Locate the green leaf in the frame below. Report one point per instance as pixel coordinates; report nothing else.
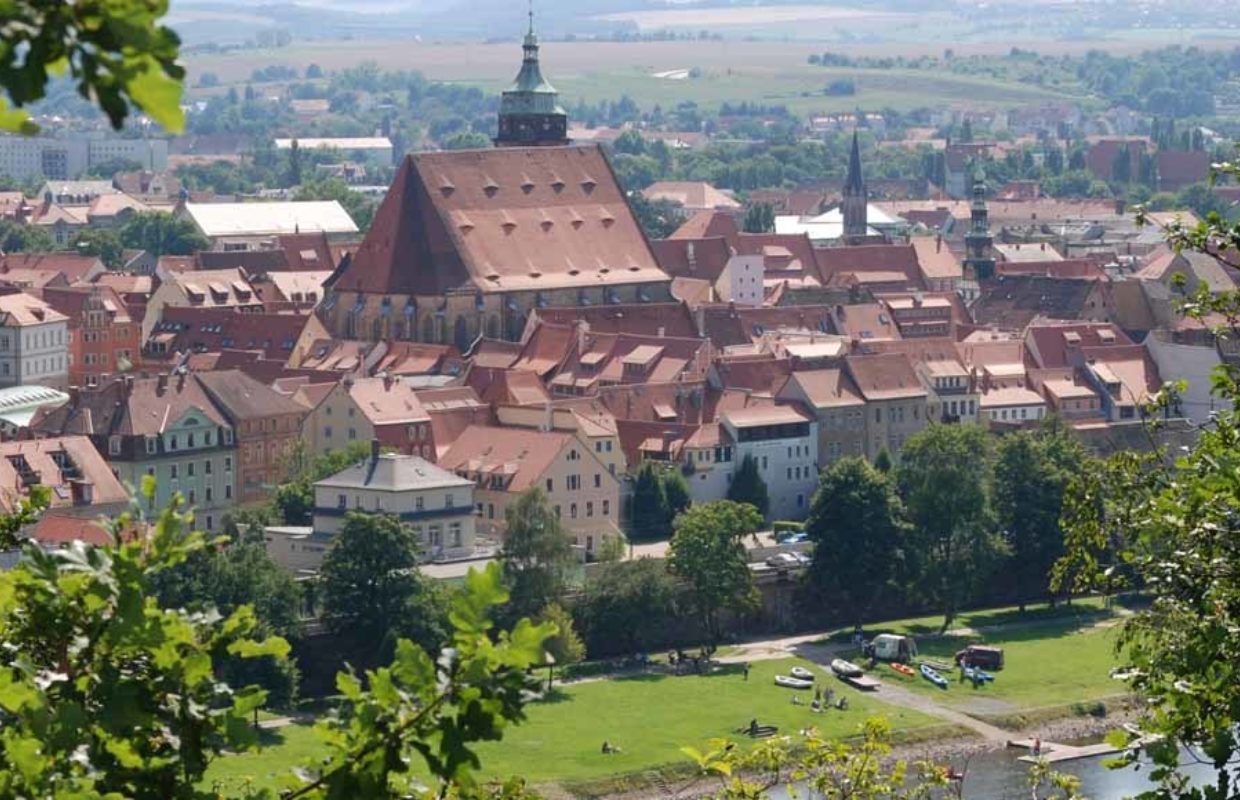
(349, 686)
(158, 95)
(275, 646)
(15, 696)
(25, 753)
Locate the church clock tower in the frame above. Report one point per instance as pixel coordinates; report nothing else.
(979, 262)
(529, 110)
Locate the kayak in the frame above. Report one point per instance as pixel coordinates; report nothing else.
(969, 672)
(932, 675)
(937, 665)
(793, 683)
(903, 669)
(845, 668)
(801, 673)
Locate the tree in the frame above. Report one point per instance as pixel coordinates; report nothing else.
(857, 525)
(105, 692)
(373, 591)
(676, 491)
(882, 461)
(294, 164)
(629, 607)
(707, 553)
(565, 646)
(227, 578)
(748, 487)
(100, 242)
(944, 478)
(360, 208)
(759, 218)
(1032, 470)
(117, 55)
(162, 234)
(658, 218)
(648, 515)
(16, 237)
(314, 72)
(466, 140)
(536, 554)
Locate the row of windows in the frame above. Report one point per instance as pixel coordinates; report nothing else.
(797, 473)
(39, 366)
(419, 502)
(434, 537)
(572, 483)
(572, 509)
(1002, 413)
(45, 338)
(174, 470)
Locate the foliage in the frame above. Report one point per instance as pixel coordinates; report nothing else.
(659, 494)
(373, 591)
(536, 554)
(827, 767)
(944, 480)
(565, 646)
(629, 607)
(855, 502)
(467, 140)
(100, 242)
(748, 487)
(227, 577)
(117, 54)
(16, 237)
(1032, 470)
(106, 694)
(360, 208)
(882, 461)
(707, 553)
(294, 499)
(162, 234)
(658, 218)
(759, 218)
(419, 717)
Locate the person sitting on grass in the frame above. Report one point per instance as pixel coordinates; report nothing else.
(609, 748)
(753, 727)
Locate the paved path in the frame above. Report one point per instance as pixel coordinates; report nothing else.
(900, 696)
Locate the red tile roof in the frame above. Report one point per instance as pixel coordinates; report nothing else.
(501, 220)
(728, 326)
(519, 455)
(901, 259)
(1050, 346)
(673, 319)
(693, 258)
(56, 462)
(884, 376)
(73, 266)
(706, 224)
(189, 329)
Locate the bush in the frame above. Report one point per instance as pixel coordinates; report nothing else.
(787, 526)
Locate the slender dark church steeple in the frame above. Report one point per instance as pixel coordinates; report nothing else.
(856, 197)
(529, 110)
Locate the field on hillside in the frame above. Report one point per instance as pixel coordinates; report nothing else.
(769, 73)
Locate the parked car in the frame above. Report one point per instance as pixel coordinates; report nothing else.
(796, 537)
(803, 559)
(783, 561)
(978, 655)
(890, 647)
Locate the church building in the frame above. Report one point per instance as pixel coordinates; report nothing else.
(467, 243)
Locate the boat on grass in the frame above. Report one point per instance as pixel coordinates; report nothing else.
(793, 683)
(801, 673)
(845, 669)
(903, 669)
(931, 674)
(977, 672)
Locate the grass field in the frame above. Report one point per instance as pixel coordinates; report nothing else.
(1053, 657)
(648, 717)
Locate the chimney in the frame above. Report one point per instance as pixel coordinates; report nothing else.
(374, 450)
(1043, 248)
(388, 380)
(82, 492)
(581, 338)
(938, 243)
(548, 418)
(732, 309)
(699, 319)
(161, 384)
(691, 256)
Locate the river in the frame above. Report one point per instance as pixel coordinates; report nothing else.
(997, 775)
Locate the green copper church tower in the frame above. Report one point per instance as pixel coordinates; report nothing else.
(530, 114)
(979, 262)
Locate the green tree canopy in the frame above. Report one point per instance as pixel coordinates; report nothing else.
(748, 487)
(16, 237)
(162, 234)
(944, 480)
(373, 591)
(708, 553)
(1032, 471)
(117, 54)
(101, 242)
(536, 554)
(629, 607)
(857, 525)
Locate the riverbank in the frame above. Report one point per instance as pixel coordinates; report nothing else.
(679, 783)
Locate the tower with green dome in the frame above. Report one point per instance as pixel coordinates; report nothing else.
(530, 114)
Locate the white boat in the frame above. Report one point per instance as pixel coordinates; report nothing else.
(793, 683)
(845, 669)
(801, 673)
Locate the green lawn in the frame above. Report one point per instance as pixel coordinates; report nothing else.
(1052, 657)
(648, 717)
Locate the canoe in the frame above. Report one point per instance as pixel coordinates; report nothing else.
(801, 673)
(793, 683)
(844, 668)
(982, 675)
(903, 669)
(932, 675)
(938, 666)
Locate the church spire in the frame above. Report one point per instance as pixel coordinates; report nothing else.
(856, 198)
(979, 264)
(529, 111)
